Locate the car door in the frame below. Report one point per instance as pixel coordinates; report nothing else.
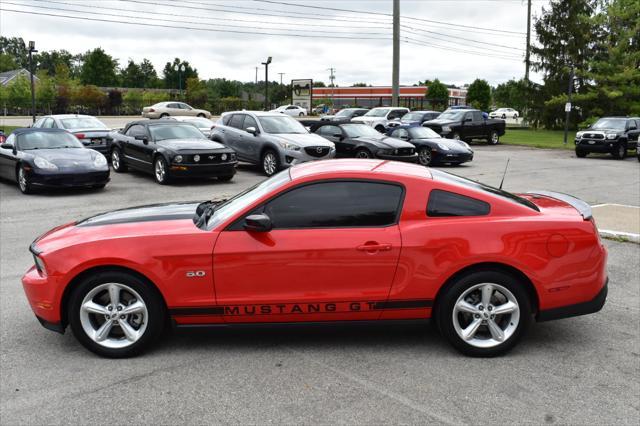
(233, 135)
(331, 255)
(8, 159)
(633, 132)
(467, 129)
(335, 135)
(252, 143)
(187, 110)
(135, 149)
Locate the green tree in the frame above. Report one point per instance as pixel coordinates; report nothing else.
(149, 75)
(99, 69)
(7, 63)
(17, 49)
(512, 94)
(479, 94)
(90, 96)
(46, 92)
(196, 92)
(175, 79)
(49, 61)
(132, 76)
(437, 94)
(19, 93)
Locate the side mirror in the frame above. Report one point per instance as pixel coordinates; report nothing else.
(142, 138)
(468, 120)
(252, 130)
(337, 136)
(258, 223)
(7, 146)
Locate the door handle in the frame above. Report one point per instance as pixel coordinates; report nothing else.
(372, 247)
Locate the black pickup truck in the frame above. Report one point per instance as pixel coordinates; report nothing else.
(467, 124)
(613, 135)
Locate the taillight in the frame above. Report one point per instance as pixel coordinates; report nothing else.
(152, 110)
(80, 135)
(2, 138)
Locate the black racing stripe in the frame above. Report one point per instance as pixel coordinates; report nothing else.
(214, 310)
(404, 304)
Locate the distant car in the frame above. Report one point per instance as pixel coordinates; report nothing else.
(504, 113)
(467, 124)
(613, 135)
(272, 140)
(2, 136)
(345, 114)
(379, 118)
(415, 118)
(37, 158)
(92, 132)
(361, 141)
(203, 124)
(167, 109)
(458, 107)
(431, 147)
(169, 149)
(292, 110)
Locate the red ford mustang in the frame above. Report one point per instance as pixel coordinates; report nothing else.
(342, 240)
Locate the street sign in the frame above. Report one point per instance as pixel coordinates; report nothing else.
(301, 91)
(567, 107)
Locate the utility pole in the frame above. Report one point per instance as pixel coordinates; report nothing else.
(395, 75)
(266, 83)
(32, 50)
(256, 76)
(567, 107)
(527, 58)
(332, 78)
(281, 74)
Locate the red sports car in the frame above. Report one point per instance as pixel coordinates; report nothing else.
(330, 241)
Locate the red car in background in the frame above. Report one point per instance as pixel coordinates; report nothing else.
(331, 241)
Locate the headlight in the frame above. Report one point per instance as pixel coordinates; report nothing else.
(100, 160)
(41, 163)
(39, 265)
(177, 159)
(579, 135)
(223, 157)
(443, 147)
(612, 135)
(446, 129)
(289, 146)
(232, 156)
(466, 145)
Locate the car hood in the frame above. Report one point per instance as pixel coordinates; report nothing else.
(154, 212)
(65, 157)
(385, 142)
(189, 144)
(608, 130)
(439, 122)
(454, 146)
(364, 119)
(303, 139)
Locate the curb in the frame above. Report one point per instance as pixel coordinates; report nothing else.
(619, 235)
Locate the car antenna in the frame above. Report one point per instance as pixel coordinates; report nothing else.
(505, 173)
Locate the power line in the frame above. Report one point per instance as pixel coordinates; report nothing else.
(421, 43)
(461, 38)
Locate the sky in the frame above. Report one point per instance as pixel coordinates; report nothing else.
(357, 44)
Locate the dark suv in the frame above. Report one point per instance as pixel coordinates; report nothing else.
(613, 135)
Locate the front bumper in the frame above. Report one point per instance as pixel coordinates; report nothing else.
(69, 180)
(203, 170)
(597, 145)
(584, 308)
(403, 158)
(290, 158)
(452, 157)
(43, 297)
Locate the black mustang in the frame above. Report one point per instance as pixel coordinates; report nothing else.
(431, 147)
(50, 157)
(170, 149)
(362, 141)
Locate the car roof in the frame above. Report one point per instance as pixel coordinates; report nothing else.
(24, 130)
(61, 116)
(427, 112)
(258, 113)
(153, 122)
(358, 167)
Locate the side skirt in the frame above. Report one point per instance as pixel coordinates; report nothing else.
(276, 325)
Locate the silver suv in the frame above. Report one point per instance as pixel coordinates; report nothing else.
(273, 140)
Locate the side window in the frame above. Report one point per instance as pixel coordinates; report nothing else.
(329, 131)
(396, 114)
(226, 119)
(249, 121)
(48, 123)
(468, 116)
(136, 130)
(11, 139)
(184, 106)
(400, 133)
(236, 121)
(337, 205)
(174, 106)
(292, 107)
(477, 116)
(444, 203)
(39, 123)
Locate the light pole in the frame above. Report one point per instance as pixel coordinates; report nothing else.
(180, 69)
(266, 83)
(32, 50)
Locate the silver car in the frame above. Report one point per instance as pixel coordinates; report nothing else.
(92, 132)
(273, 140)
(203, 124)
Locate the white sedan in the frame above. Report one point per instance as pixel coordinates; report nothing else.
(292, 110)
(504, 113)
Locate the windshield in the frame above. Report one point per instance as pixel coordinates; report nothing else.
(377, 112)
(175, 131)
(344, 113)
(422, 133)
(459, 180)
(83, 123)
(360, 130)
(247, 197)
(609, 123)
(48, 140)
(202, 123)
(281, 124)
(452, 115)
(412, 116)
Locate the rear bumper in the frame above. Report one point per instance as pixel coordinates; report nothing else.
(584, 308)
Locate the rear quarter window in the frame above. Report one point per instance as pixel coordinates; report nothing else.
(447, 204)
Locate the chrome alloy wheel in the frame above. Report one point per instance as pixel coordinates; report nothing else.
(115, 159)
(113, 315)
(424, 156)
(22, 180)
(269, 163)
(160, 170)
(494, 138)
(363, 154)
(486, 315)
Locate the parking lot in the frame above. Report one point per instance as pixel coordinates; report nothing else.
(578, 370)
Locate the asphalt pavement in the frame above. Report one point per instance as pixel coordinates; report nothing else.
(578, 370)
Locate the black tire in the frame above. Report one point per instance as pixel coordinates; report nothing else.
(424, 156)
(380, 129)
(201, 115)
(515, 116)
(154, 320)
(100, 186)
(163, 115)
(225, 178)
(580, 153)
(621, 151)
(301, 114)
(163, 178)
(493, 138)
(363, 153)
(117, 161)
(456, 136)
(504, 116)
(24, 181)
(270, 162)
(444, 312)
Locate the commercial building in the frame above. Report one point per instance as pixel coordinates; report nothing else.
(410, 96)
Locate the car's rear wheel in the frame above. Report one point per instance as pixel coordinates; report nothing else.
(580, 153)
(424, 156)
(621, 151)
(24, 181)
(363, 153)
(115, 314)
(270, 163)
(201, 115)
(484, 313)
(504, 116)
(163, 115)
(493, 138)
(301, 114)
(117, 162)
(161, 170)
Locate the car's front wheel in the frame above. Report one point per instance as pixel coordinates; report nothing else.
(270, 163)
(493, 138)
(621, 151)
(115, 314)
(24, 181)
(484, 313)
(117, 162)
(424, 156)
(161, 170)
(363, 153)
(225, 178)
(580, 153)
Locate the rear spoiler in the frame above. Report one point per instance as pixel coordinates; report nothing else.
(583, 208)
